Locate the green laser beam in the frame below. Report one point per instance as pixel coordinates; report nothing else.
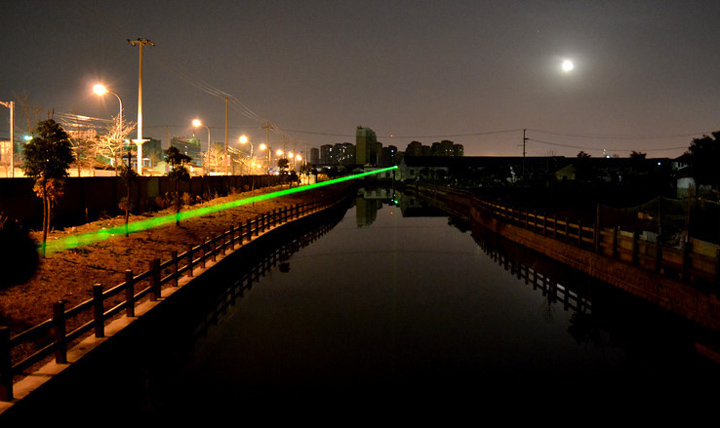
(88, 238)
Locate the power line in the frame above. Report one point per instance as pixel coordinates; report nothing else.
(619, 137)
(551, 143)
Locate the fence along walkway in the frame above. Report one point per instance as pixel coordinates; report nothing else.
(695, 261)
(692, 261)
(69, 325)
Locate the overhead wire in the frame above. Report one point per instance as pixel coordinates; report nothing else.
(110, 26)
(617, 137)
(237, 105)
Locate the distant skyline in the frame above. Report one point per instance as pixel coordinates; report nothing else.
(645, 75)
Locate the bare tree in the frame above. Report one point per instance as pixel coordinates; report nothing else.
(110, 144)
(82, 137)
(215, 159)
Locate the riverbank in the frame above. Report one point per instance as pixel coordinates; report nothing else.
(69, 275)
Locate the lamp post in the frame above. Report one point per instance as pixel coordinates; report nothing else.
(196, 123)
(101, 90)
(266, 147)
(11, 106)
(244, 139)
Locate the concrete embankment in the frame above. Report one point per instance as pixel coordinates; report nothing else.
(696, 301)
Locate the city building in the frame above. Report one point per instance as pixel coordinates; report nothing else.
(366, 146)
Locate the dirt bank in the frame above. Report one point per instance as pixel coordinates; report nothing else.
(69, 275)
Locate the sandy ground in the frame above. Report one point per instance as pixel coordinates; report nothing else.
(69, 275)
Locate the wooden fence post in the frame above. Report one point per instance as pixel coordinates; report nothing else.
(129, 293)
(579, 232)
(190, 261)
(686, 262)
(6, 375)
(223, 240)
(203, 252)
(155, 273)
(98, 310)
(213, 247)
(59, 330)
(174, 264)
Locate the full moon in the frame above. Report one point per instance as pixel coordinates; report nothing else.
(567, 65)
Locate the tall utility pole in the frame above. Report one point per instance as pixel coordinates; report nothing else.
(267, 142)
(139, 141)
(523, 166)
(11, 106)
(227, 159)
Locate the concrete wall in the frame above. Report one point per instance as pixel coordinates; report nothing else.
(684, 299)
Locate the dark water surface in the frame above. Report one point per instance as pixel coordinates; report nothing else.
(389, 310)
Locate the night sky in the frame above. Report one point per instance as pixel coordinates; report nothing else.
(646, 75)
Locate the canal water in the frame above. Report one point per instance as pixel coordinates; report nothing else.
(395, 304)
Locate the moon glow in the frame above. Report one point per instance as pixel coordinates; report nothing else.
(567, 65)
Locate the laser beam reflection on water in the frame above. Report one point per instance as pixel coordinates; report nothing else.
(75, 241)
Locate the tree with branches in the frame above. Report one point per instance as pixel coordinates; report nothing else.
(110, 144)
(178, 171)
(128, 175)
(215, 159)
(47, 158)
(703, 156)
(82, 137)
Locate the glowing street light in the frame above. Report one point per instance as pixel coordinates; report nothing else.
(266, 147)
(244, 139)
(197, 123)
(101, 90)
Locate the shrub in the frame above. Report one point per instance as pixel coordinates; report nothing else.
(19, 258)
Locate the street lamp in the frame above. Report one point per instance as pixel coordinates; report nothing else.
(101, 90)
(244, 139)
(264, 147)
(196, 123)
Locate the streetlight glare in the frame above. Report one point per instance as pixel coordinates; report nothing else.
(196, 122)
(243, 139)
(100, 89)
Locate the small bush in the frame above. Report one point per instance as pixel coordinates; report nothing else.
(19, 257)
(161, 202)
